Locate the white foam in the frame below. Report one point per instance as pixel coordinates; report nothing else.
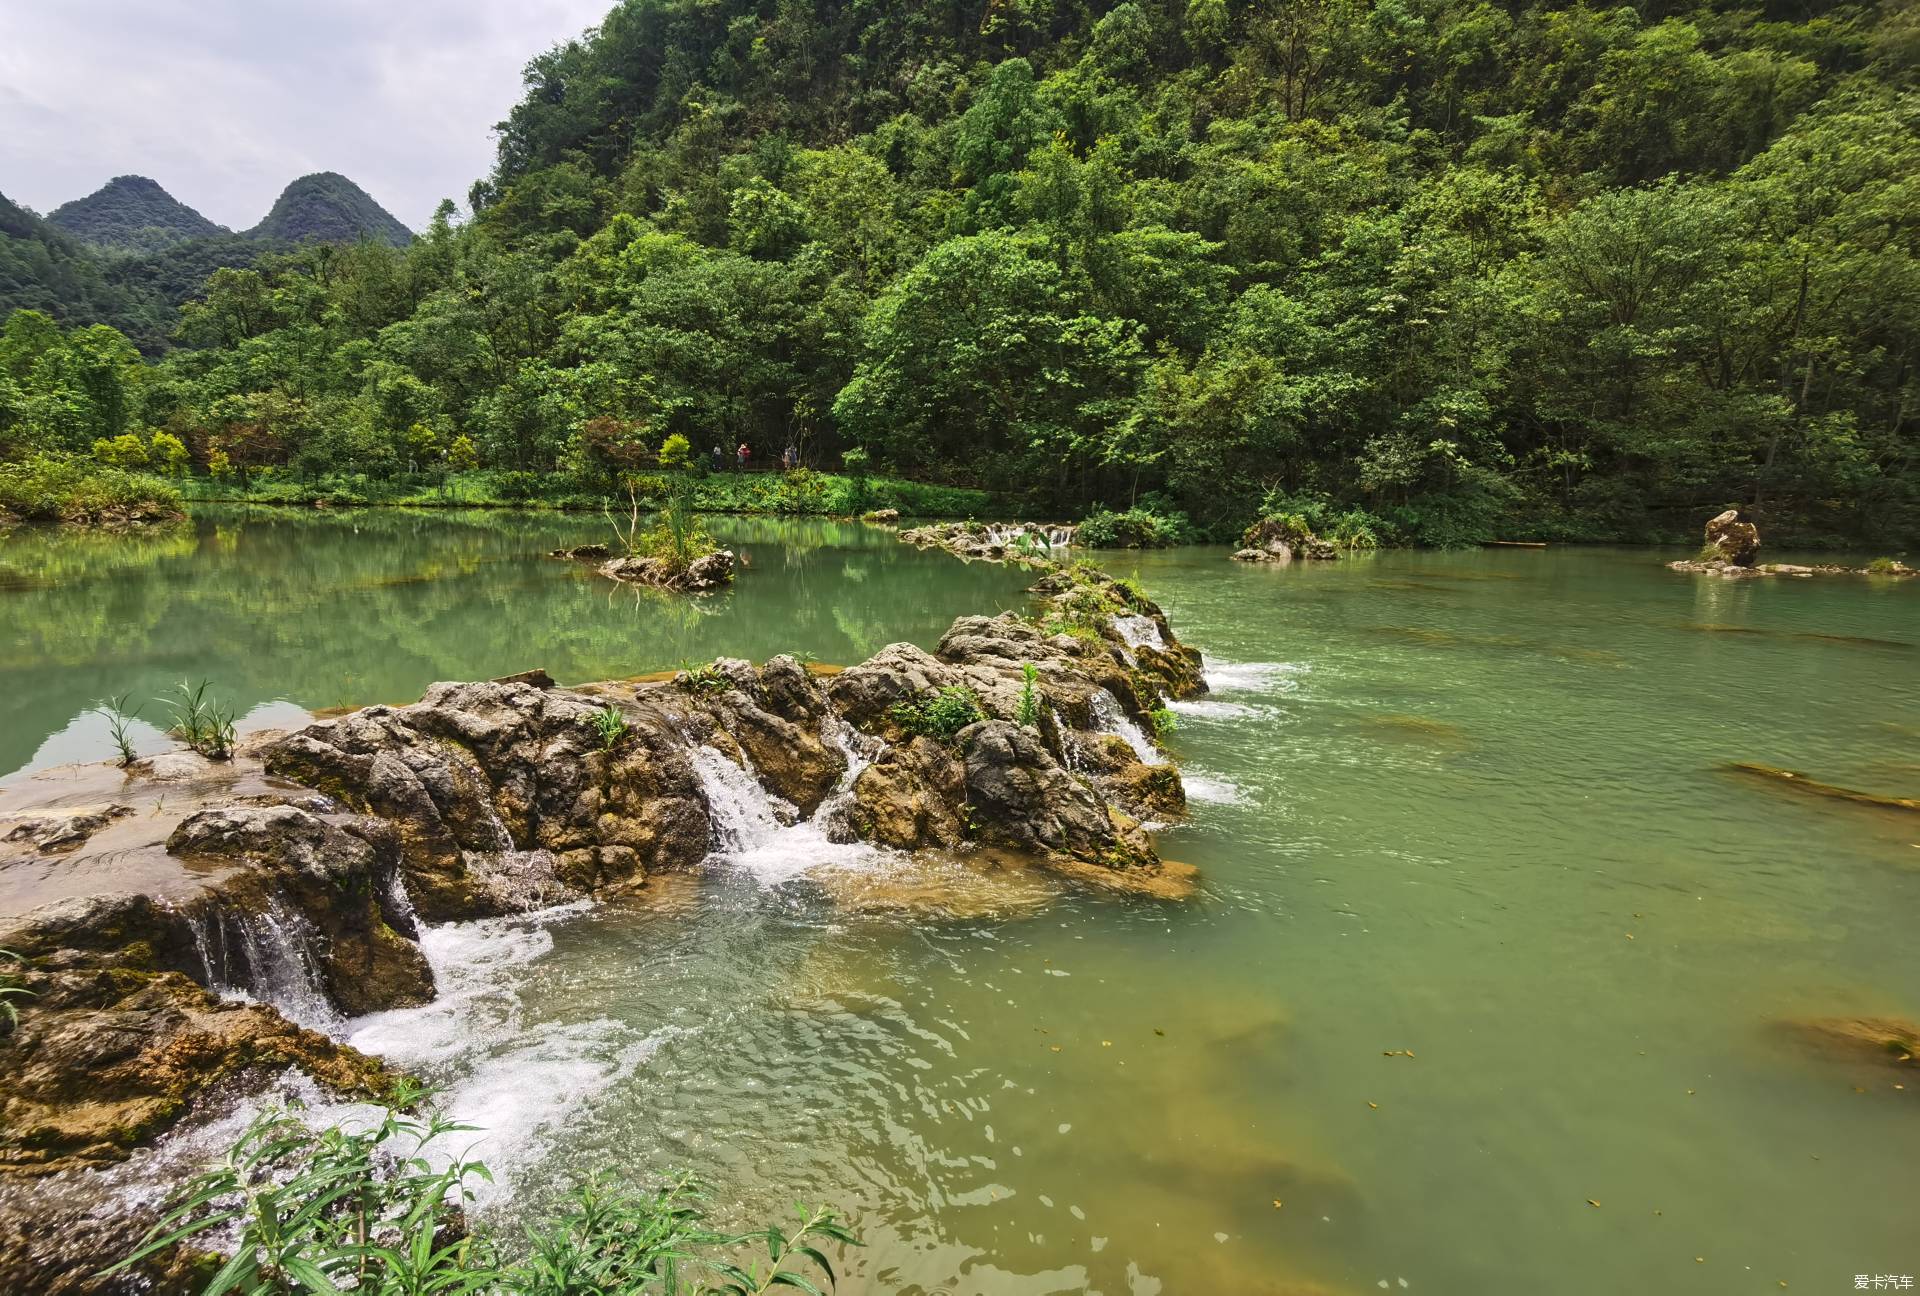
(756, 831)
(1214, 709)
(1249, 677)
(1108, 714)
(1211, 790)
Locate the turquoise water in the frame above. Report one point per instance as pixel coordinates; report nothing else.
(1463, 806)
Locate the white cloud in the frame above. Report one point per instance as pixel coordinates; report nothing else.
(224, 101)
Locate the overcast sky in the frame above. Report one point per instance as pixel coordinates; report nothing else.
(224, 101)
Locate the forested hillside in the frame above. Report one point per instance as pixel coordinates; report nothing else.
(131, 213)
(1476, 269)
(328, 207)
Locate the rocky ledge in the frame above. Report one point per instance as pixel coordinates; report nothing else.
(139, 900)
(708, 571)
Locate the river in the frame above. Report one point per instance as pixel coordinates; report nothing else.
(1486, 990)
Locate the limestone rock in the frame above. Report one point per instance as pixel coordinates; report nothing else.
(1733, 538)
(1281, 539)
(494, 789)
(336, 872)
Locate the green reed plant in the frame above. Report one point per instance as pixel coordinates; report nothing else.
(1163, 720)
(1028, 711)
(119, 723)
(201, 721)
(610, 725)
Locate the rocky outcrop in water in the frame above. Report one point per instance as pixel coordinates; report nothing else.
(1282, 539)
(294, 872)
(508, 796)
(707, 572)
(1027, 542)
(122, 1033)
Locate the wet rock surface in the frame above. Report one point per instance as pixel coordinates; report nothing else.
(136, 898)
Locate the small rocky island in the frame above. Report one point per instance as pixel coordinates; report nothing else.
(1282, 539)
(708, 571)
(299, 872)
(1732, 549)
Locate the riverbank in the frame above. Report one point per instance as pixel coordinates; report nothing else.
(803, 493)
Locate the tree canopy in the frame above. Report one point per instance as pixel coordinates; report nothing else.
(1560, 270)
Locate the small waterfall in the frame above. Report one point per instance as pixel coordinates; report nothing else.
(1139, 631)
(1111, 718)
(859, 751)
(744, 814)
(266, 956)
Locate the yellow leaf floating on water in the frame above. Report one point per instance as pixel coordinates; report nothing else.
(1592, 1202)
(1374, 1105)
(1277, 1203)
(1054, 1047)
(1106, 1043)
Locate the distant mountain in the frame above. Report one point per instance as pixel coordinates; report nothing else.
(132, 214)
(329, 208)
(45, 269)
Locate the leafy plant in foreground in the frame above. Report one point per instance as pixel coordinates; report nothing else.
(317, 1212)
(940, 716)
(202, 722)
(119, 723)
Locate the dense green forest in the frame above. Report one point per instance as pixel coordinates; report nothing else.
(131, 255)
(1474, 269)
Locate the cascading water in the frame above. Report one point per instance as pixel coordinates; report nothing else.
(266, 956)
(743, 813)
(1108, 715)
(763, 836)
(1139, 631)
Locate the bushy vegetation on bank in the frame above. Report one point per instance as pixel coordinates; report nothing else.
(1536, 270)
(55, 488)
(801, 492)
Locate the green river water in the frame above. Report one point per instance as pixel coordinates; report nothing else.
(1467, 806)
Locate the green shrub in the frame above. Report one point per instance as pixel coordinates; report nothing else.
(940, 716)
(1344, 528)
(1137, 528)
(48, 488)
(610, 726)
(1883, 567)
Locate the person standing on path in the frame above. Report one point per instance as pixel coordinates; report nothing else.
(741, 455)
